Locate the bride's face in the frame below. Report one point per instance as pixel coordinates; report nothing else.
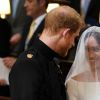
(93, 51)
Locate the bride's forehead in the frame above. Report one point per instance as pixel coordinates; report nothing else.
(91, 41)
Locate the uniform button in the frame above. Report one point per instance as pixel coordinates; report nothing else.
(29, 56)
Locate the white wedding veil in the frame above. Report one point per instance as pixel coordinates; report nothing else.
(81, 62)
(86, 65)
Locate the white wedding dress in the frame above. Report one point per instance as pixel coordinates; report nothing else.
(83, 90)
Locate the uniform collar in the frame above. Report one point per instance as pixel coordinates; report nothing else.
(45, 50)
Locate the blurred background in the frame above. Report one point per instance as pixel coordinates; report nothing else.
(13, 27)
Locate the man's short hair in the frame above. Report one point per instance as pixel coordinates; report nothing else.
(63, 17)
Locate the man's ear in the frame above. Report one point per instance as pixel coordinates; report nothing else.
(66, 32)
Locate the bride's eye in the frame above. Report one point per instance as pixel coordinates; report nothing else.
(94, 49)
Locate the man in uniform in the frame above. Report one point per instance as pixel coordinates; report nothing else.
(36, 74)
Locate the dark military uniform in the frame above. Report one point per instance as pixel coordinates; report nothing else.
(35, 75)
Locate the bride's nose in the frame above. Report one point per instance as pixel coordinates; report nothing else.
(91, 55)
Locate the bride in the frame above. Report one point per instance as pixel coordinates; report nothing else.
(83, 80)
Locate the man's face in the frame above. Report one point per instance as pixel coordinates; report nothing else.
(71, 41)
(32, 7)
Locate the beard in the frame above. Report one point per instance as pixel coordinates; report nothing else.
(66, 53)
(70, 47)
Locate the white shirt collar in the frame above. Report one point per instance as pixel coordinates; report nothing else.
(39, 19)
